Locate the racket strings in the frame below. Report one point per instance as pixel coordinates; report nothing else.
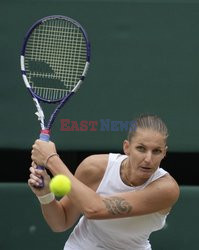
(49, 93)
(55, 58)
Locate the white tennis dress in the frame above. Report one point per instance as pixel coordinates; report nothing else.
(116, 234)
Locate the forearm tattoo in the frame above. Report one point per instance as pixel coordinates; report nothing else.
(117, 205)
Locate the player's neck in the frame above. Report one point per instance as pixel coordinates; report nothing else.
(128, 175)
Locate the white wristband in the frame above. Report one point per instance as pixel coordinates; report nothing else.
(46, 199)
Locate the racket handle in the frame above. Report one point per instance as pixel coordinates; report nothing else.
(44, 136)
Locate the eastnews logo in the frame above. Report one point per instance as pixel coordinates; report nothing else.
(101, 125)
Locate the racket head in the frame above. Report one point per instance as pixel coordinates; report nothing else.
(55, 57)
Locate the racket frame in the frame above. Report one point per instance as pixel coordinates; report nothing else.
(37, 99)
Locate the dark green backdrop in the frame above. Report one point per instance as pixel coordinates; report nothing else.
(145, 59)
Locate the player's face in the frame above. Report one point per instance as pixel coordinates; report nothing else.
(145, 150)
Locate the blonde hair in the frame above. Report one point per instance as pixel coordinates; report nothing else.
(152, 122)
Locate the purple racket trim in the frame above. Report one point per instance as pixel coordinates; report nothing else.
(55, 112)
(57, 109)
(23, 51)
(61, 101)
(56, 17)
(39, 98)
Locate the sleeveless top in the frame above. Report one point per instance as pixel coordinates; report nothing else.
(131, 233)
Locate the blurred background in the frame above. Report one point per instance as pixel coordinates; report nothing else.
(144, 59)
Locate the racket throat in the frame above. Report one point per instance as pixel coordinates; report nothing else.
(39, 113)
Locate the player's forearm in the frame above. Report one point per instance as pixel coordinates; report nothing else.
(55, 216)
(84, 198)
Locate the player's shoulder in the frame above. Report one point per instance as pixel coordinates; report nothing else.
(96, 159)
(92, 168)
(167, 185)
(169, 182)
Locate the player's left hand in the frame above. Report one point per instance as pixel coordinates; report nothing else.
(35, 180)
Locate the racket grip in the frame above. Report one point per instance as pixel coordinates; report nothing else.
(44, 136)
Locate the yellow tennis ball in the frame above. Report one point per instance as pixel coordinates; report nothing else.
(60, 185)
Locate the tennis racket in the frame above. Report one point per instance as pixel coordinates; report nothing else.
(55, 57)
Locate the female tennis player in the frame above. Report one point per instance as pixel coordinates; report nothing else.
(122, 198)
